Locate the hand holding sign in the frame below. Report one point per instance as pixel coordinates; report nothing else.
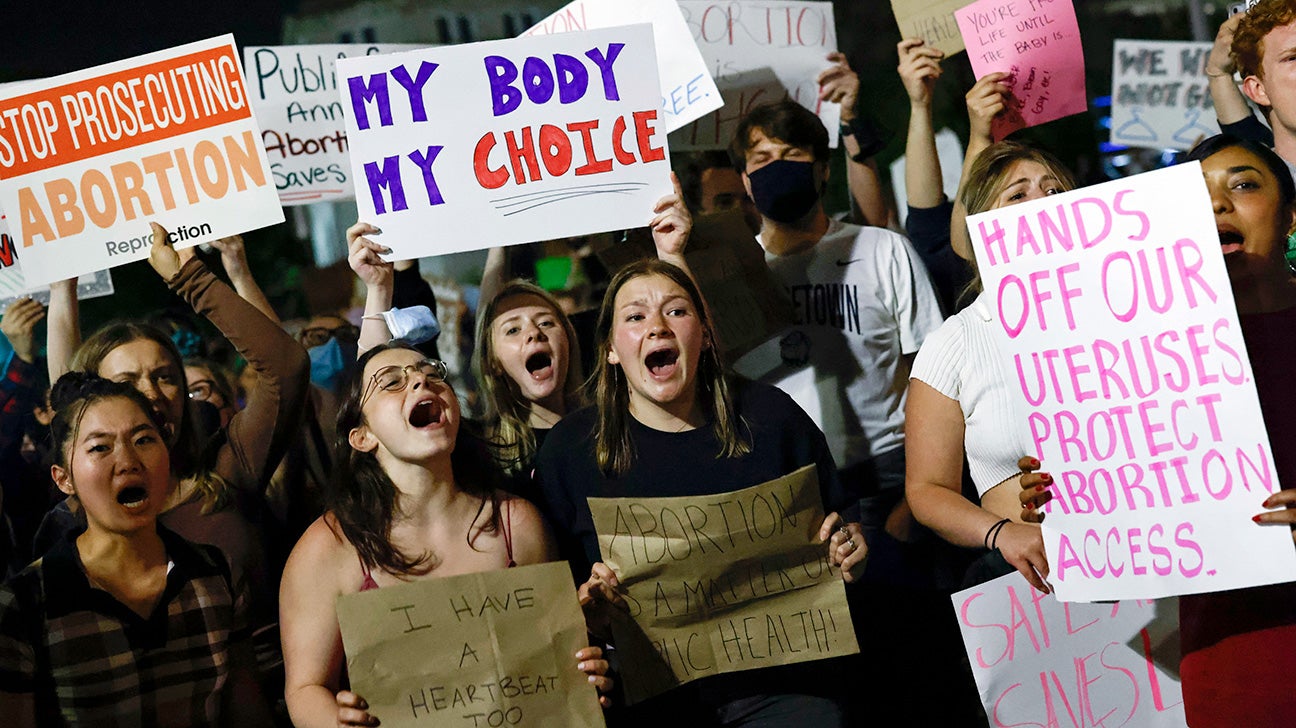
(163, 256)
(672, 225)
(846, 547)
(986, 100)
(363, 256)
(919, 69)
(838, 84)
(352, 710)
(19, 319)
(596, 596)
(1034, 489)
(1284, 499)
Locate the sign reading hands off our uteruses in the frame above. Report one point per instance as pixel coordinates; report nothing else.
(1118, 329)
(495, 648)
(470, 146)
(687, 89)
(89, 158)
(722, 583)
(1037, 43)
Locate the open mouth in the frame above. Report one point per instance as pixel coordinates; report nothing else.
(661, 363)
(1230, 241)
(132, 496)
(540, 365)
(427, 412)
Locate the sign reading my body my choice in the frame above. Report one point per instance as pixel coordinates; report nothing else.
(470, 146)
(1121, 339)
(87, 159)
(295, 94)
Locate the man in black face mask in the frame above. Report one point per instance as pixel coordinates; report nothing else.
(863, 304)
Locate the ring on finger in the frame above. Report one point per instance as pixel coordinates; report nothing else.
(851, 543)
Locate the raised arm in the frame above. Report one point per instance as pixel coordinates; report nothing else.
(988, 97)
(379, 278)
(839, 84)
(934, 430)
(18, 378)
(63, 328)
(260, 433)
(919, 69)
(671, 226)
(234, 259)
(1230, 105)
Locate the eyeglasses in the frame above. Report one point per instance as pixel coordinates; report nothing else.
(320, 335)
(396, 378)
(203, 390)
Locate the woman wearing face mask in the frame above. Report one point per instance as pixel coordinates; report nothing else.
(670, 422)
(126, 593)
(217, 495)
(1239, 647)
(402, 507)
(960, 399)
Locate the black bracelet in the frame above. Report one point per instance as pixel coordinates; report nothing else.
(870, 138)
(993, 534)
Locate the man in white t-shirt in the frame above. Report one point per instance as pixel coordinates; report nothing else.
(863, 305)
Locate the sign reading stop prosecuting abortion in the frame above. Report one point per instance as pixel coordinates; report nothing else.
(1121, 339)
(471, 146)
(87, 159)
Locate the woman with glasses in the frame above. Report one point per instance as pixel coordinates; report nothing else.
(401, 507)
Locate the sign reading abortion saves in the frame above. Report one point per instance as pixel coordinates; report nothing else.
(722, 583)
(1121, 339)
(89, 158)
(469, 146)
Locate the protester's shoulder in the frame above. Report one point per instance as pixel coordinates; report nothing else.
(572, 433)
(764, 402)
(23, 590)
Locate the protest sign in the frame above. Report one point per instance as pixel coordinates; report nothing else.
(1038, 661)
(1160, 95)
(88, 159)
(295, 96)
(1122, 341)
(759, 53)
(747, 304)
(1036, 42)
(743, 585)
(687, 89)
(931, 20)
(487, 649)
(550, 136)
(14, 285)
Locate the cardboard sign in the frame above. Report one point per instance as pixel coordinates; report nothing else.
(295, 95)
(1038, 661)
(747, 305)
(1037, 42)
(1160, 95)
(687, 89)
(759, 53)
(13, 284)
(495, 648)
(722, 583)
(551, 136)
(88, 159)
(931, 20)
(1119, 329)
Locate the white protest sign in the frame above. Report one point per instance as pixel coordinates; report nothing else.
(759, 53)
(687, 89)
(1038, 661)
(14, 285)
(89, 158)
(1119, 329)
(550, 136)
(295, 95)
(1160, 95)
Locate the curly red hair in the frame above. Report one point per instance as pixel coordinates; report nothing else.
(1248, 39)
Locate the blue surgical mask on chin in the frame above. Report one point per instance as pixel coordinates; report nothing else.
(329, 363)
(784, 190)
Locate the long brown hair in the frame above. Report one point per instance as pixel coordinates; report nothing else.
(613, 445)
(362, 497)
(187, 448)
(508, 411)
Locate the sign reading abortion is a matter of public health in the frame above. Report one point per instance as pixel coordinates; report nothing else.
(89, 158)
(470, 146)
(1121, 340)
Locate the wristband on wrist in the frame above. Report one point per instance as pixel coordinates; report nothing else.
(992, 536)
(870, 138)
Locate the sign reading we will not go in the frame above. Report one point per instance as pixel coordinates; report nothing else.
(1121, 337)
(550, 136)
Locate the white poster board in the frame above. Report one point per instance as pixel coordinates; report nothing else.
(1038, 661)
(687, 89)
(1117, 323)
(1160, 94)
(89, 158)
(551, 136)
(759, 53)
(13, 284)
(295, 96)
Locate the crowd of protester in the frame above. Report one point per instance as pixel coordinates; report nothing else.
(176, 531)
